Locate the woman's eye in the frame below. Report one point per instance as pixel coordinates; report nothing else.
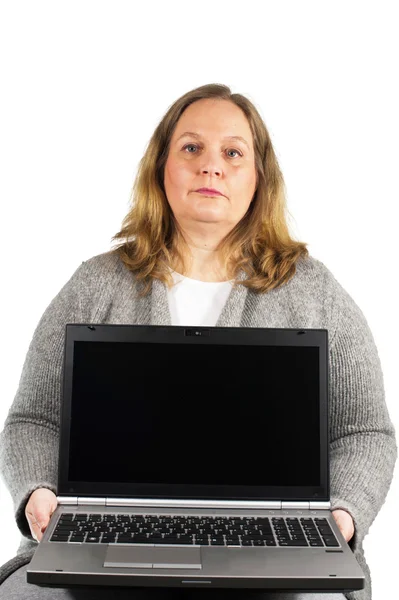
(190, 146)
(195, 146)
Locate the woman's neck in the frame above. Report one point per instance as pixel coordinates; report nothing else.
(204, 265)
(201, 257)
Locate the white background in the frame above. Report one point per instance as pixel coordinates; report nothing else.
(83, 85)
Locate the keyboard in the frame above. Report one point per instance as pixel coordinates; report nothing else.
(193, 530)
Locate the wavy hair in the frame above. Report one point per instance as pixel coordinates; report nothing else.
(260, 244)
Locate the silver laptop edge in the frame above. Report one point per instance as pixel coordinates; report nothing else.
(197, 504)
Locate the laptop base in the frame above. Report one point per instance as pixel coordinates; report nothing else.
(126, 565)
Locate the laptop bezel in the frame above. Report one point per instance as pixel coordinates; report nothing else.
(189, 335)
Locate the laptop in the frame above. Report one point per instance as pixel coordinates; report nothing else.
(194, 457)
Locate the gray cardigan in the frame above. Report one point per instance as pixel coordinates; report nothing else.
(363, 448)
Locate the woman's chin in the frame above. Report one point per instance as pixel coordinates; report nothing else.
(211, 213)
(209, 217)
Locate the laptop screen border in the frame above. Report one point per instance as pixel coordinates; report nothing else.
(193, 335)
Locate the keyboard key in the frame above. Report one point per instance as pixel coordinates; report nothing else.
(294, 543)
(306, 520)
(330, 540)
(325, 529)
(77, 537)
(217, 541)
(59, 538)
(186, 539)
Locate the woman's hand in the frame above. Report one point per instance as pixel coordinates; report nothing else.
(41, 505)
(344, 522)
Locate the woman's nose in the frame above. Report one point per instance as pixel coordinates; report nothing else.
(211, 171)
(211, 164)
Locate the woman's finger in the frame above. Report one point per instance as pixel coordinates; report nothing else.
(37, 527)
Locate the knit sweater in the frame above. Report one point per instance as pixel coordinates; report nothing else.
(363, 448)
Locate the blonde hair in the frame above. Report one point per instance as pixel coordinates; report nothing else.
(260, 244)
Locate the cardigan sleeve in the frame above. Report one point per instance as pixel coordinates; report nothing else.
(363, 448)
(30, 437)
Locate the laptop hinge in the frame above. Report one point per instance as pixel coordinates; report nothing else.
(312, 505)
(76, 500)
(173, 503)
(320, 505)
(154, 503)
(67, 500)
(197, 504)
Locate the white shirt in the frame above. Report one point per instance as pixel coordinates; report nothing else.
(194, 302)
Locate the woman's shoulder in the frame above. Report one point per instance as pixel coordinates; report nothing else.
(317, 281)
(311, 270)
(310, 267)
(315, 276)
(106, 262)
(97, 284)
(311, 278)
(105, 269)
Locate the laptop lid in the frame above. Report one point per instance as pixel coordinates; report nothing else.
(202, 413)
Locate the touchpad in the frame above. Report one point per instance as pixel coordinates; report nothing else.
(150, 557)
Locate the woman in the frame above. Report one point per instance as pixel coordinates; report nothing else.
(205, 243)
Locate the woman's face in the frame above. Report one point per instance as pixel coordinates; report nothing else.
(203, 154)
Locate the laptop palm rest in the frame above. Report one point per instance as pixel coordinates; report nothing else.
(153, 557)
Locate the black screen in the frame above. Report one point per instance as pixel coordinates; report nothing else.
(195, 414)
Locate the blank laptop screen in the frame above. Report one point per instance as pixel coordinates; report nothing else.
(191, 414)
